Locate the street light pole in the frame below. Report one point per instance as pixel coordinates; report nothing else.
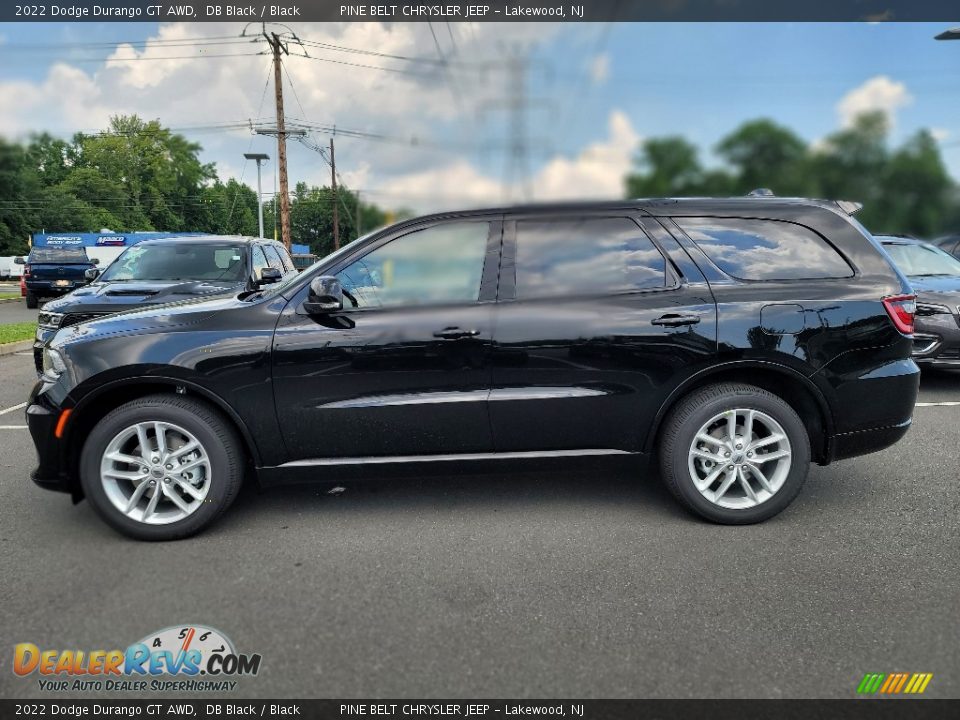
(259, 157)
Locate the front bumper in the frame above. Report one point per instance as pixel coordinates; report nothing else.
(51, 471)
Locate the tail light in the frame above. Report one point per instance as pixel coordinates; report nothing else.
(901, 309)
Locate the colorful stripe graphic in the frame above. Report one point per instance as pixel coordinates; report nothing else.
(894, 683)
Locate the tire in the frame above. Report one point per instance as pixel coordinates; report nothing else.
(32, 301)
(218, 478)
(682, 453)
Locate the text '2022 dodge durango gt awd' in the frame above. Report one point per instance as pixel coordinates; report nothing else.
(734, 339)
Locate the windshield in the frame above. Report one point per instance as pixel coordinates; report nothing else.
(58, 255)
(923, 260)
(183, 261)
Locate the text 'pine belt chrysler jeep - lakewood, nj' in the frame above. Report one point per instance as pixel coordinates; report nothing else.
(734, 340)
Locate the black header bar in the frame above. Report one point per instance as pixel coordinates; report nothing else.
(208, 708)
(945, 11)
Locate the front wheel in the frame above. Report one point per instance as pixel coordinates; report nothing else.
(162, 467)
(32, 301)
(734, 453)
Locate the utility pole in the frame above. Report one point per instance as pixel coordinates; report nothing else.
(277, 47)
(259, 158)
(357, 223)
(336, 199)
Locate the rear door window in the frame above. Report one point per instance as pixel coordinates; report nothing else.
(585, 256)
(765, 249)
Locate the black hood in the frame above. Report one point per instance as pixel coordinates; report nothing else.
(942, 290)
(132, 294)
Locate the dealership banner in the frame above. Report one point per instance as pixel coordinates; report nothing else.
(207, 709)
(482, 11)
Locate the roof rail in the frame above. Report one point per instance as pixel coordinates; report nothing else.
(761, 192)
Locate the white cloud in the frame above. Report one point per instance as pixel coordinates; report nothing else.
(600, 68)
(939, 134)
(596, 172)
(877, 93)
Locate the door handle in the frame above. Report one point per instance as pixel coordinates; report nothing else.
(676, 319)
(455, 333)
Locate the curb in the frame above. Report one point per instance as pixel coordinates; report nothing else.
(15, 347)
(8, 300)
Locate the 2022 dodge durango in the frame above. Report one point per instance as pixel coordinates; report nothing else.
(734, 340)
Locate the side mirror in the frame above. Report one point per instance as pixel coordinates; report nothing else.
(270, 275)
(91, 274)
(19, 261)
(326, 295)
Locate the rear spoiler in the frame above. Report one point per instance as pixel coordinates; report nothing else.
(849, 206)
(846, 206)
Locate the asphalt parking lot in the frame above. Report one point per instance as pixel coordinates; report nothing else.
(534, 585)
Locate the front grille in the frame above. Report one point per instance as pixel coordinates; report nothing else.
(77, 318)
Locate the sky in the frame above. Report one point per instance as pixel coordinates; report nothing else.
(593, 92)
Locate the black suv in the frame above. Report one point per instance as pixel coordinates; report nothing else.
(735, 340)
(153, 272)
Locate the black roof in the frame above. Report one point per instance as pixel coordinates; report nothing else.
(208, 239)
(655, 206)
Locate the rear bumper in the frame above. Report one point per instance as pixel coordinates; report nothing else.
(862, 442)
(42, 288)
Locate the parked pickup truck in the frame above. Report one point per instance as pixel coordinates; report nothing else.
(54, 271)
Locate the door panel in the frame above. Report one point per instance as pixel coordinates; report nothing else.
(589, 371)
(391, 378)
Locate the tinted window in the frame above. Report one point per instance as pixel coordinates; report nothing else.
(285, 258)
(259, 261)
(65, 255)
(273, 257)
(765, 249)
(173, 261)
(440, 264)
(589, 255)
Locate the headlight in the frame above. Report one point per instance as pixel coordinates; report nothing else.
(53, 364)
(50, 319)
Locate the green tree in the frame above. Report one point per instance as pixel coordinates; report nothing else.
(765, 154)
(916, 188)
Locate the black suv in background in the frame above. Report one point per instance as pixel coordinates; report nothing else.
(734, 340)
(153, 272)
(53, 271)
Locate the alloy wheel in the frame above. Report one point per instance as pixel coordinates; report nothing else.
(155, 472)
(739, 458)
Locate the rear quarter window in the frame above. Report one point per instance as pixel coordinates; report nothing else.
(765, 249)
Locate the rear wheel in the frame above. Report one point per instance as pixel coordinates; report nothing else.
(734, 453)
(32, 301)
(162, 467)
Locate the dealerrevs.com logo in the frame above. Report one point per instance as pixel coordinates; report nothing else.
(178, 658)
